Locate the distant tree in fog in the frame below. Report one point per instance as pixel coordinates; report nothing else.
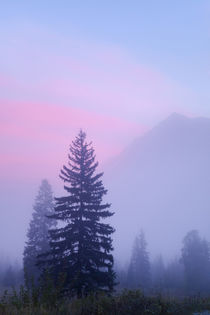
(158, 273)
(139, 268)
(9, 278)
(174, 277)
(196, 261)
(121, 275)
(37, 235)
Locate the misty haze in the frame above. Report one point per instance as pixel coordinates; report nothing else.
(104, 158)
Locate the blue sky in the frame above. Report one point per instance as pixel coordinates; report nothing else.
(172, 36)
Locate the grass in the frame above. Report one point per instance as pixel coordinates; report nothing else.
(124, 303)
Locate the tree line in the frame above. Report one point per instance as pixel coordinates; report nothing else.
(187, 274)
(69, 242)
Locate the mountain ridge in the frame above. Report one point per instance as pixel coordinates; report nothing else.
(160, 183)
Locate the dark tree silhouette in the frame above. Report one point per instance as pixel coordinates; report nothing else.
(81, 246)
(139, 269)
(37, 236)
(196, 261)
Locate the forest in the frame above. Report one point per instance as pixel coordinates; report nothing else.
(68, 259)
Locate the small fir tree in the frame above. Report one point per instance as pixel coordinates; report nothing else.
(37, 236)
(81, 246)
(139, 269)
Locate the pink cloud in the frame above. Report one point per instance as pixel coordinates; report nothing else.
(50, 94)
(114, 83)
(101, 78)
(36, 136)
(6, 81)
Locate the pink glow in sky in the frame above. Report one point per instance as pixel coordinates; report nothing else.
(35, 137)
(111, 68)
(54, 85)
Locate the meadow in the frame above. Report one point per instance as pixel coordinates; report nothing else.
(127, 302)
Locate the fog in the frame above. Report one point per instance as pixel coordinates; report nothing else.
(118, 71)
(104, 156)
(158, 184)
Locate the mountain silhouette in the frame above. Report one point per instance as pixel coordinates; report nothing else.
(161, 184)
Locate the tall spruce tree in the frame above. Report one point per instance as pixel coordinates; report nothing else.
(139, 268)
(81, 247)
(37, 236)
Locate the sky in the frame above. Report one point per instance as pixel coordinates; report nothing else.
(112, 68)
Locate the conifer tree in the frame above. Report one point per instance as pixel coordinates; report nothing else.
(139, 269)
(196, 261)
(81, 246)
(37, 236)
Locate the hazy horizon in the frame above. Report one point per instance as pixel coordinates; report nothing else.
(116, 70)
(111, 167)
